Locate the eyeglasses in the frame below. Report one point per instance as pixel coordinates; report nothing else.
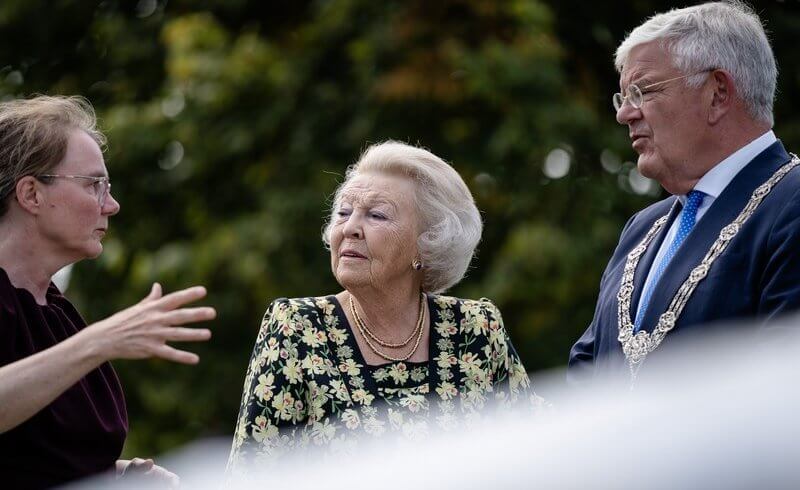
(635, 95)
(101, 186)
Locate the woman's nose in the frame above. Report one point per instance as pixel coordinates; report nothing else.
(352, 227)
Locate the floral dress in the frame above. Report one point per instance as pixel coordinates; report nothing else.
(308, 385)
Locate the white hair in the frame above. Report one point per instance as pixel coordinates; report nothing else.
(718, 35)
(450, 221)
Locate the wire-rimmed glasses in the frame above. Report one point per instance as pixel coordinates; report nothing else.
(100, 185)
(635, 95)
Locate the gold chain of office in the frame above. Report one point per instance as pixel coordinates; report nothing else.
(637, 347)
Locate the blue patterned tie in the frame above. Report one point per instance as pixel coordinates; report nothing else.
(693, 201)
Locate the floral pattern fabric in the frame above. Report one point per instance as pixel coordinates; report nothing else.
(308, 385)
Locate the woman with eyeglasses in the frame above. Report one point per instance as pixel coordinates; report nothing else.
(62, 410)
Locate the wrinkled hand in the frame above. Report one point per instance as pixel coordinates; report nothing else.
(144, 329)
(148, 472)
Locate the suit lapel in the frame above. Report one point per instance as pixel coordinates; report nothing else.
(646, 262)
(724, 210)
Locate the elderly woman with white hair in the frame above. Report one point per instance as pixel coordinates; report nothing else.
(389, 353)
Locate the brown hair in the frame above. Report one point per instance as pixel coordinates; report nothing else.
(34, 134)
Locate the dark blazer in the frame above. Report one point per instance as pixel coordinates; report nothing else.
(758, 275)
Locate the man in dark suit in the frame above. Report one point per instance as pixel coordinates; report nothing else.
(697, 86)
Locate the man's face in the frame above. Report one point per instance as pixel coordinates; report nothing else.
(670, 127)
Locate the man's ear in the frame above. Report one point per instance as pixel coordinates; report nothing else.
(723, 95)
(28, 195)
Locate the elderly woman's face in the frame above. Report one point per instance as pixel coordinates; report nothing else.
(374, 232)
(71, 217)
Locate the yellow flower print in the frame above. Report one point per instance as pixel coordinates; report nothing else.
(517, 377)
(299, 411)
(326, 306)
(339, 389)
(475, 324)
(445, 360)
(351, 419)
(471, 308)
(419, 373)
(314, 364)
(292, 371)
(445, 344)
(338, 335)
(350, 367)
(284, 405)
(413, 402)
(263, 430)
(444, 373)
(446, 328)
(241, 431)
(381, 375)
(323, 432)
(270, 353)
(266, 383)
(312, 337)
(361, 396)
(447, 390)
(399, 373)
(497, 338)
(475, 396)
(445, 302)
(469, 363)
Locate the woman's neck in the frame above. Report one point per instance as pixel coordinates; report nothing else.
(25, 264)
(391, 315)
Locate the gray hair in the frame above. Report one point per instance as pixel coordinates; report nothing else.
(34, 134)
(720, 35)
(450, 220)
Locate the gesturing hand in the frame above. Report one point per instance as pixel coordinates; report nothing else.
(144, 329)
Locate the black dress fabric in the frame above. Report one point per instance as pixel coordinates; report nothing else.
(81, 433)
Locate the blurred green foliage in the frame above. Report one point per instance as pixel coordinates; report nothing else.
(230, 123)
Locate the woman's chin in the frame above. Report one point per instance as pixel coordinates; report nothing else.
(351, 279)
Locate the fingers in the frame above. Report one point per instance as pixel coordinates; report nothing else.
(179, 298)
(189, 315)
(175, 355)
(183, 334)
(137, 466)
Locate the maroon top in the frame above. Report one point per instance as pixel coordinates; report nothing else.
(82, 431)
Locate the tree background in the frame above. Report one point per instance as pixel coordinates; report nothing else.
(231, 122)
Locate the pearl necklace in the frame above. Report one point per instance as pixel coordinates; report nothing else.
(369, 337)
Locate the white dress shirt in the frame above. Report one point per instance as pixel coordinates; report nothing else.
(712, 184)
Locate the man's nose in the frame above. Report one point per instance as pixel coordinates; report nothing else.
(627, 113)
(110, 206)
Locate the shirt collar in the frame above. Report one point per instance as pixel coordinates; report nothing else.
(717, 179)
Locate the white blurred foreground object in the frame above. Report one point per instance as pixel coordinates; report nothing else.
(723, 417)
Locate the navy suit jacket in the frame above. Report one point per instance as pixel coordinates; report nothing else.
(758, 275)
